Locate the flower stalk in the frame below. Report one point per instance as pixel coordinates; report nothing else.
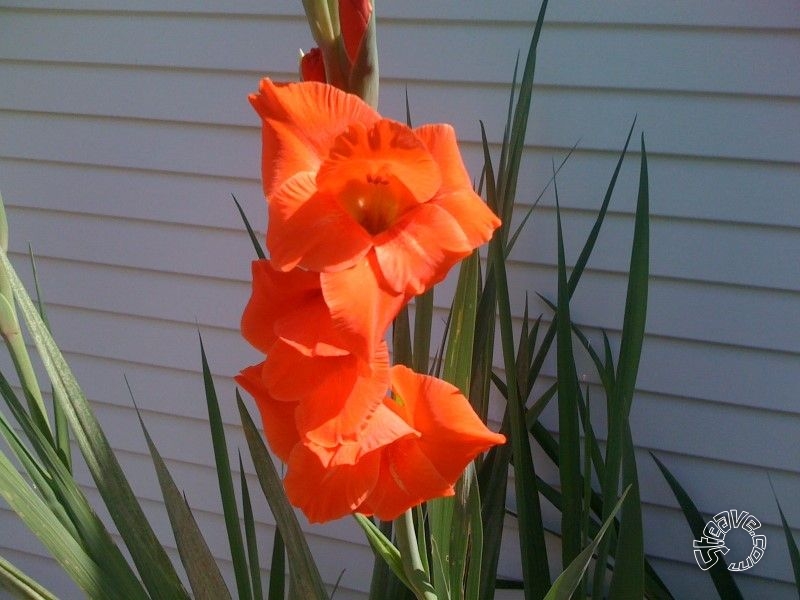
(346, 55)
(412, 562)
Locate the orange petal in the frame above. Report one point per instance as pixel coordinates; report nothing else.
(338, 411)
(361, 305)
(300, 120)
(272, 292)
(310, 329)
(452, 434)
(456, 195)
(277, 417)
(475, 218)
(289, 305)
(407, 478)
(383, 428)
(441, 142)
(419, 250)
(385, 150)
(324, 494)
(311, 229)
(290, 375)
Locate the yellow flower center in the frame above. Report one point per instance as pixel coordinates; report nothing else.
(375, 202)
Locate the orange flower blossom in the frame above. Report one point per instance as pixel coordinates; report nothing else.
(344, 185)
(364, 213)
(416, 447)
(309, 360)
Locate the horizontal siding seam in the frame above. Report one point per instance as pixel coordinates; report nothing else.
(550, 23)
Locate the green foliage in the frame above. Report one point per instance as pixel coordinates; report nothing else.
(722, 578)
(201, 568)
(54, 508)
(791, 544)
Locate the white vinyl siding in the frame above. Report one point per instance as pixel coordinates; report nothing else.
(124, 130)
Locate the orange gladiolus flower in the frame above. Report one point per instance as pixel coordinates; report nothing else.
(344, 185)
(423, 464)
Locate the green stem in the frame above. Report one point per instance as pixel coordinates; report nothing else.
(412, 563)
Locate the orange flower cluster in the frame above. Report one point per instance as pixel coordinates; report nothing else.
(364, 213)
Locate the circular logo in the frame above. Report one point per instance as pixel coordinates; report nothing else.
(711, 544)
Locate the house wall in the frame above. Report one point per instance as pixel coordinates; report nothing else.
(124, 130)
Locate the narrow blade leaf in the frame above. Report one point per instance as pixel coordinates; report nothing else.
(225, 479)
(250, 535)
(794, 553)
(277, 568)
(569, 463)
(21, 585)
(201, 568)
(151, 559)
(305, 577)
(256, 244)
(570, 579)
(722, 578)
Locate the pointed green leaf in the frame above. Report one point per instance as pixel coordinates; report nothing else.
(534, 553)
(225, 480)
(151, 559)
(619, 402)
(627, 579)
(507, 185)
(408, 110)
(59, 418)
(569, 464)
(722, 578)
(250, 232)
(303, 571)
(571, 577)
(204, 576)
(64, 497)
(86, 573)
(250, 535)
(794, 553)
(277, 568)
(636, 300)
